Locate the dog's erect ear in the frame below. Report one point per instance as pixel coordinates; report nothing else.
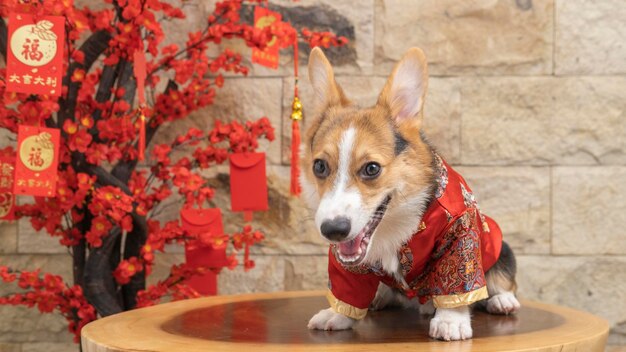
(405, 89)
(327, 92)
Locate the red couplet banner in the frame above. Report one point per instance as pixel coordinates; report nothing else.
(35, 54)
(37, 160)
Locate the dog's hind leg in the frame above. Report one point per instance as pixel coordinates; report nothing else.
(388, 297)
(385, 297)
(501, 284)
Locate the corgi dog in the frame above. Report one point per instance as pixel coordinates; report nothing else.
(403, 227)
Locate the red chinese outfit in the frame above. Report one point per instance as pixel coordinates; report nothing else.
(445, 260)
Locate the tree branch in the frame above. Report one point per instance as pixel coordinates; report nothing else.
(79, 251)
(93, 47)
(100, 286)
(107, 179)
(4, 39)
(107, 80)
(135, 240)
(119, 177)
(124, 169)
(110, 75)
(127, 81)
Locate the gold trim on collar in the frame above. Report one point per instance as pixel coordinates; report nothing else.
(344, 308)
(462, 299)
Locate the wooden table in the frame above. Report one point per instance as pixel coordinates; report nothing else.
(277, 322)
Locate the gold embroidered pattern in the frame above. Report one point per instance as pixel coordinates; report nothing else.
(462, 299)
(344, 308)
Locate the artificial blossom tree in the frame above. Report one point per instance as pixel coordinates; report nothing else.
(104, 204)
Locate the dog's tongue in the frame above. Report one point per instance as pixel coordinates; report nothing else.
(351, 247)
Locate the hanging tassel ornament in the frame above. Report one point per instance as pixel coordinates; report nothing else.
(139, 69)
(296, 117)
(142, 134)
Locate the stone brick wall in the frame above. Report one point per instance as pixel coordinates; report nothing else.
(527, 99)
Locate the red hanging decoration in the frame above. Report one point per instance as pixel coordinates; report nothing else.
(248, 183)
(142, 135)
(139, 69)
(296, 117)
(199, 255)
(35, 54)
(269, 56)
(37, 160)
(7, 199)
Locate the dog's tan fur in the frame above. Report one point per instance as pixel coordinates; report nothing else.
(374, 128)
(374, 142)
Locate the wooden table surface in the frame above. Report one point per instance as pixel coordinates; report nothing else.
(277, 322)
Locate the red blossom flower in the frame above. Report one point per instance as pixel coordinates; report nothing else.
(323, 39)
(29, 279)
(70, 127)
(6, 275)
(161, 153)
(86, 121)
(79, 141)
(232, 261)
(127, 269)
(78, 75)
(78, 56)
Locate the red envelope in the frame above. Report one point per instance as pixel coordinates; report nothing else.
(202, 220)
(197, 221)
(248, 183)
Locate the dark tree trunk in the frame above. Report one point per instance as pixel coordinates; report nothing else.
(99, 283)
(93, 47)
(4, 35)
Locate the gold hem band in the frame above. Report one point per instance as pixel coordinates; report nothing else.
(462, 299)
(344, 308)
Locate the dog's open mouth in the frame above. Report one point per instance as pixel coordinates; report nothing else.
(352, 252)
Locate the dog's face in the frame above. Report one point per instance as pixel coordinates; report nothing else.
(367, 173)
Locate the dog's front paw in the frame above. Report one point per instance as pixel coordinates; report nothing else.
(327, 319)
(451, 324)
(503, 303)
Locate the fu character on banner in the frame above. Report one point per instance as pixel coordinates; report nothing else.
(248, 183)
(35, 54)
(212, 258)
(37, 161)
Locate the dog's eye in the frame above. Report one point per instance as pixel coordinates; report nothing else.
(370, 170)
(320, 168)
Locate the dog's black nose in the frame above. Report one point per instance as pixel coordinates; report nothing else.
(336, 229)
